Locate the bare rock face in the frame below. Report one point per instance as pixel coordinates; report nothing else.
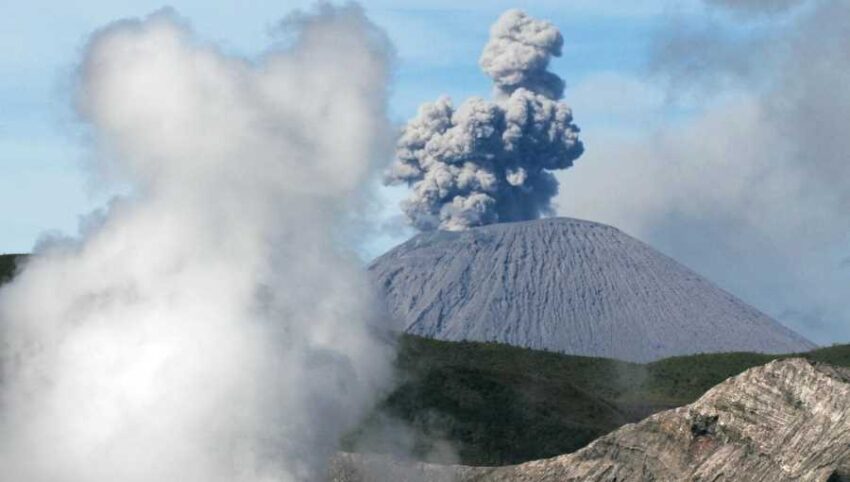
(570, 286)
(786, 421)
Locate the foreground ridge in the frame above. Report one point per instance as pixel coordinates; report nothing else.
(788, 420)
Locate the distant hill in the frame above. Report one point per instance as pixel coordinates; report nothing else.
(500, 404)
(8, 264)
(570, 286)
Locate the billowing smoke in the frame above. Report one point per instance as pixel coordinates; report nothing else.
(208, 326)
(492, 161)
(753, 188)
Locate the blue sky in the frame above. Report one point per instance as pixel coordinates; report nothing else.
(684, 160)
(42, 187)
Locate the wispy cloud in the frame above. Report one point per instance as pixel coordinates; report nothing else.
(753, 191)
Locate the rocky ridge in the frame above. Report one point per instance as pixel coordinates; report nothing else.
(788, 420)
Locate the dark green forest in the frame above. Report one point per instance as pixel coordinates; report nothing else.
(498, 404)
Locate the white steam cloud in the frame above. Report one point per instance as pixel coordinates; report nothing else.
(492, 161)
(207, 327)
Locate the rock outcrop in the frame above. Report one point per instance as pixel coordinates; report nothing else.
(570, 286)
(786, 421)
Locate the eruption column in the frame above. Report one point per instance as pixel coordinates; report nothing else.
(492, 161)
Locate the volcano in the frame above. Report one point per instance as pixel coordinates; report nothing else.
(570, 286)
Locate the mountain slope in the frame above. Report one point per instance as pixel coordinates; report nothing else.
(788, 420)
(498, 404)
(567, 285)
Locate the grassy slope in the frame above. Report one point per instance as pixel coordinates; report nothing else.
(499, 404)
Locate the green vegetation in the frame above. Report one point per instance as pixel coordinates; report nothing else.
(7, 266)
(500, 404)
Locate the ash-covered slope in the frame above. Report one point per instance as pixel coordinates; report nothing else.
(567, 285)
(786, 421)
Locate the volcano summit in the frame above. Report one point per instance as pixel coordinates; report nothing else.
(570, 286)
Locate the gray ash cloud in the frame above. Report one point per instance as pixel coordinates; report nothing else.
(488, 161)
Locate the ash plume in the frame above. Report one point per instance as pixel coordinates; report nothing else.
(207, 327)
(489, 161)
